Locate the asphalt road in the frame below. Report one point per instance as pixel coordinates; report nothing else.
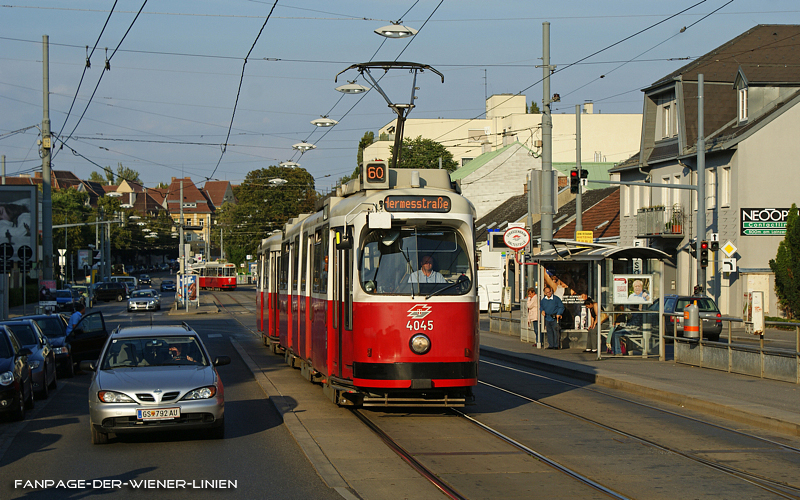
(257, 459)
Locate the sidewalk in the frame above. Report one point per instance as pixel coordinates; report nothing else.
(762, 403)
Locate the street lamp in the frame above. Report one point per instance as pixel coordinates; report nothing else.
(324, 121)
(289, 164)
(351, 88)
(277, 182)
(303, 146)
(396, 30)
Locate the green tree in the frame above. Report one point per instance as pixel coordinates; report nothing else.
(162, 185)
(366, 140)
(99, 178)
(69, 207)
(534, 109)
(786, 266)
(125, 173)
(425, 153)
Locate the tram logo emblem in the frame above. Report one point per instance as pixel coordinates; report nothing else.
(419, 311)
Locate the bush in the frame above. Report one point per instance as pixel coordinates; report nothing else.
(31, 292)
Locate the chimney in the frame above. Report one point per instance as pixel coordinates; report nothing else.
(588, 108)
(486, 147)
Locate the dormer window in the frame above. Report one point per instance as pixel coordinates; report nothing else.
(667, 116)
(742, 104)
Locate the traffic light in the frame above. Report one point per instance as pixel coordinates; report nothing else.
(714, 246)
(574, 181)
(584, 177)
(703, 254)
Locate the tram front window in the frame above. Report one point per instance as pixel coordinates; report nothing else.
(415, 262)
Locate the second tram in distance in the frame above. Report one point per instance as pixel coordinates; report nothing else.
(215, 275)
(374, 295)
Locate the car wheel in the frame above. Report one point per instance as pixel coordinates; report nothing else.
(45, 390)
(31, 403)
(98, 437)
(69, 371)
(19, 411)
(218, 432)
(119, 298)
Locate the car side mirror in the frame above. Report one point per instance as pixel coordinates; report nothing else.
(222, 360)
(88, 366)
(27, 352)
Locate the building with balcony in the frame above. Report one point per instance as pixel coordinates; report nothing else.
(751, 117)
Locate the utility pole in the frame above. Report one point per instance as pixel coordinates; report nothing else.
(47, 200)
(701, 181)
(4, 170)
(578, 201)
(548, 208)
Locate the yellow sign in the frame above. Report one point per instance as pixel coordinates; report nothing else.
(585, 236)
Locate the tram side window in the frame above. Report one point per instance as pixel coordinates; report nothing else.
(316, 264)
(295, 260)
(304, 272)
(324, 260)
(283, 271)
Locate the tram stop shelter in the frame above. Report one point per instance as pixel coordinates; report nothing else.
(626, 283)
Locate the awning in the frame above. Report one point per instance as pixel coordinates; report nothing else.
(578, 251)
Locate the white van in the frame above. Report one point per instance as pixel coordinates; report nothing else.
(131, 281)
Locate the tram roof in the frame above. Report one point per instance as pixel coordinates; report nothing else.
(579, 251)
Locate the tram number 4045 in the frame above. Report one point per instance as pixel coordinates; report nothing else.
(420, 325)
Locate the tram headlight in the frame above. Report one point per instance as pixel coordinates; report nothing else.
(420, 343)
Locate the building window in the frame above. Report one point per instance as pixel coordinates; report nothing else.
(464, 161)
(725, 192)
(711, 189)
(626, 194)
(666, 193)
(478, 134)
(666, 121)
(743, 104)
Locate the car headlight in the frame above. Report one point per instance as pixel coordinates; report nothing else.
(201, 393)
(420, 343)
(113, 397)
(33, 364)
(61, 350)
(6, 378)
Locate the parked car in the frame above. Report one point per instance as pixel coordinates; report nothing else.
(168, 286)
(54, 327)
(144, 280)
(144, 300)
(109, 290)
(709, 314)
(87, 292)
(68, 300)
(125, 394)
(42, 359)
(16, 382)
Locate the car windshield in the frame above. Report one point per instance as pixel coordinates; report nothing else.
(63, 294)
(153, 351)
(415, 261)
(704, 304)
(5, 349)
(142, 294)
(24, 334)
(50, 326)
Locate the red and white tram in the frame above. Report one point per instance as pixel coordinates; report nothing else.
(215, 275)
(344, 296)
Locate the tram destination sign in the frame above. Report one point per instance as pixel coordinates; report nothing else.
(409, 203)
(763, 221)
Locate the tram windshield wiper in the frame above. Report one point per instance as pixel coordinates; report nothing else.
(460, 281)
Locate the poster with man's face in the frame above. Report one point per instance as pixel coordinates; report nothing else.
(18, 223)
(633, 289)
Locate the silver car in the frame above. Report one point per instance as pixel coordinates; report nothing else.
(146, 299)
(155, 378)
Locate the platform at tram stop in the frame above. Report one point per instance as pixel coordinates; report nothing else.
(768, 404)
(202, 308)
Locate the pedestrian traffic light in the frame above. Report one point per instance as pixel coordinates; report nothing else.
(584, 177)
(703, 254)
(574, 182)
(714, 246)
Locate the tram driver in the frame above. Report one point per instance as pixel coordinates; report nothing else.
(425, 273)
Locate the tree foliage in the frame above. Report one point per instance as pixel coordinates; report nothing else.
(262, 207)
(99, 178)
(786, 266)
(425, 153)
(366, 141)
(534, 109)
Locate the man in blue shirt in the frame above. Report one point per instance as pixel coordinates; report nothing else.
(76, 316)
(552, 308)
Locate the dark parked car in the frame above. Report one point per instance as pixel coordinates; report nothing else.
(709, 313)
(145, 281)
(167, 286)
(54, 327)
(68, 300)
(42, 359)
(110, 290)
(16, 382)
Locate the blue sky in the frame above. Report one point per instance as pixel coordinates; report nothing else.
(165, 106)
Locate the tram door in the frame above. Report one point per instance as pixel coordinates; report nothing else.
(342, 316)
(302, 301)
(272, 294)
(293, 313)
